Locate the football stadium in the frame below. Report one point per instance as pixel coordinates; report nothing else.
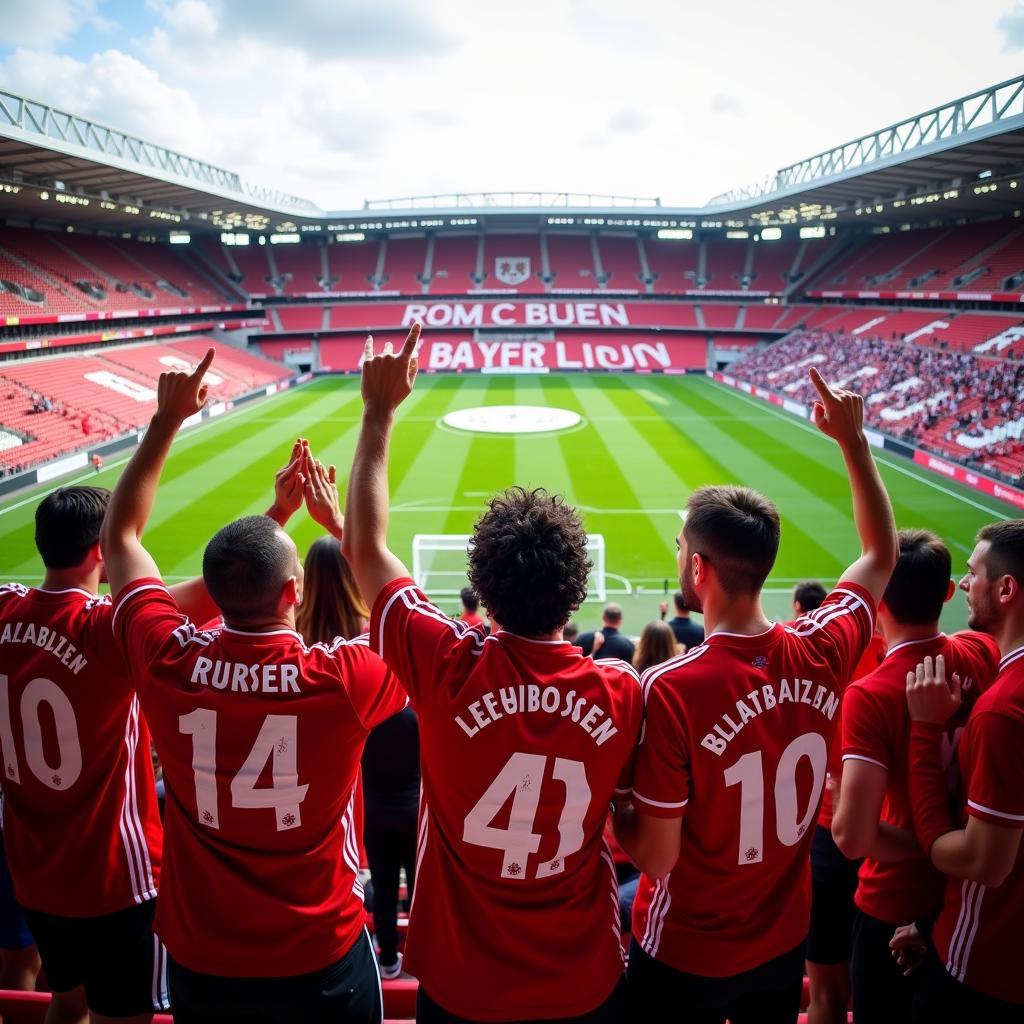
(625, 354)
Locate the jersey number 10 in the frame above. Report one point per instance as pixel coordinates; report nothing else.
(40, 691)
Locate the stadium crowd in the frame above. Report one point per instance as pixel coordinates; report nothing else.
(911, 389)
(264, 685)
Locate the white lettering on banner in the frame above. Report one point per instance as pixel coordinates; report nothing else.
(530, 355)
(941, 467)
(176, 363)
(515, 314)
(122, 385)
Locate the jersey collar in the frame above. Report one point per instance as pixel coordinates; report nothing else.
(743, 638)
(269, 632)
(1014, 655)
(913, 643)
(69, 590)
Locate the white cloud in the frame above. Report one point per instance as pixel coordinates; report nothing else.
(1011, 25)
(45, 23)
(628, 120)
(722, 103)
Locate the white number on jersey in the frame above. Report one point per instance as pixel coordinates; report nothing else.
(66, 771)
(521, 778)
(277, 743)
(790, 825)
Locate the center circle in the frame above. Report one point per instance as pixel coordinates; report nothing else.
(511, 419)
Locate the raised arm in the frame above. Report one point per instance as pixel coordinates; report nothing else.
(839, 414)
(289, 484)
(179, 395)
(984, 851)
(387, 381)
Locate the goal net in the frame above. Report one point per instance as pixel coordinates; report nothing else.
(439, 562)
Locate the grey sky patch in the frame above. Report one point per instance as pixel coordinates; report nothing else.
(1011, 25)
(44, 23)
(329, 29)
(723, 103)
(628, 121)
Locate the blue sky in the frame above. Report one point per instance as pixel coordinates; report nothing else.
(343, 100)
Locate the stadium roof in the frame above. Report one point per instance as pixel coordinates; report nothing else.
(961, 160)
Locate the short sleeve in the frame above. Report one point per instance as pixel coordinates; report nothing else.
(661, 776)
(994, 792)
(975, 658)
(866, 728)
(839, 631)
(145, 619)
(373, 689)
(416, 639)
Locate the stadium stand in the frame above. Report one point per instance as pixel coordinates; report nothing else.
(454, 264)
(772, 265)
(278, 348)
(758, 318)
(516, 258)
(725, 266)
(964, 406)
(571, 260)
(299, 268)
(620, 263)
(301, 318)
(24, 290)
(404, 264)
(673, 265)
(718, 316)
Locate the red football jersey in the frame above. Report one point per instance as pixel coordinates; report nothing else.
(523, 744)
(260, 737)
(81, 822)
(737, 733)
(876, 728)
(869, 661)
(977, 935)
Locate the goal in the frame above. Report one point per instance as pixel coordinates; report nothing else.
(439, 564)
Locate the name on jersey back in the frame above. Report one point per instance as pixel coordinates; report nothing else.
(765, 698)
(529, 697)
(45, 639)
(241, 678)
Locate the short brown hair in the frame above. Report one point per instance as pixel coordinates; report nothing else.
(1006, 553)
(68, 523)
(528, 561)
(919, 584)
(737, 530)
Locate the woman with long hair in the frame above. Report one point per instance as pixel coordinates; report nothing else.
(657, 644)
(331, 603)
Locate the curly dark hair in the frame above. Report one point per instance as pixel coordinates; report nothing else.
(528, 561)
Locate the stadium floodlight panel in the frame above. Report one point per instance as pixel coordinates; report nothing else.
(771, 234)
(350, 236)
(813, 231)
(287, 238)
(676, 234)
(179, 238)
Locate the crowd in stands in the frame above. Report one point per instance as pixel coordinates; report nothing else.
(264, 697)
(965, 406)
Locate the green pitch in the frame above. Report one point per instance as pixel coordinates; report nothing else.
(643, 445)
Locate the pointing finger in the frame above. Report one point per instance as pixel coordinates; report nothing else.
(822, 388)
(411, 341)
(388, 348)
(200, 370)
(368, 347)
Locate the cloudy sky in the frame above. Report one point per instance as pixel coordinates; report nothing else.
(343, 100)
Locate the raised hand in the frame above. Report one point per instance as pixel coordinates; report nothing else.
(929, 697)
(837, 413)
(321, 492)
(290, 483)
(180, 395)
(388, 378)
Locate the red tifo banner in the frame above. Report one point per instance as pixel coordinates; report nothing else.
(671, 355)
(543, 313)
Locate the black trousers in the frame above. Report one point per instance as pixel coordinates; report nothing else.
(389, 835)
(880, 991)
(940, 999)
(614, 1010)
(768, 994)
(346, 992)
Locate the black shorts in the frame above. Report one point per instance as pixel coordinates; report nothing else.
(833, 883)
(767, 994)
(118, 959)
(614, 1010)
(346, 992)
(940, 999)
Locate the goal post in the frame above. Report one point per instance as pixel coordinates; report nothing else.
(439, 562)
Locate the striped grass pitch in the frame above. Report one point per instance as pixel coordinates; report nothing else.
(643, 445)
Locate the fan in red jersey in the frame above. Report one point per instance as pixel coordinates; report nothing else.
(897, 883)
(524, 741)
(260, 737)
(730, 773)
(81, 825)
(974, 970)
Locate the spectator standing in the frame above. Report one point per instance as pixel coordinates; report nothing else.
(261, 908)
(470, 605)
(973, 970)
(614, 644)
(515, 921)
(718, 825)
(897, 884)
(687, 632)
(657, 645)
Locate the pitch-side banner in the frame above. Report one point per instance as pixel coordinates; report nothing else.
(543, 313)
(446, 356)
